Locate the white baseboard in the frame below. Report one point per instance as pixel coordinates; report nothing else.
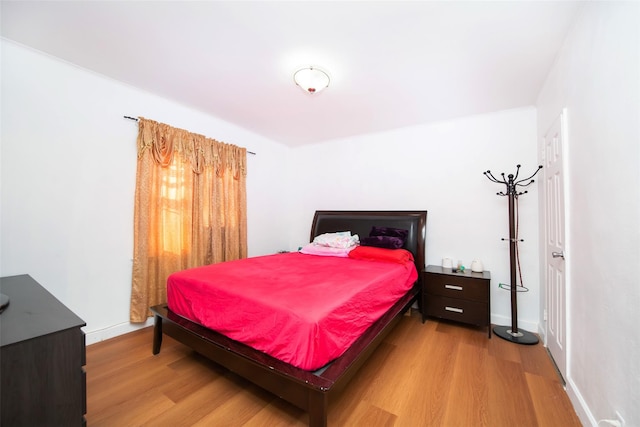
(579, 405)
(93, 337)
(542, 333)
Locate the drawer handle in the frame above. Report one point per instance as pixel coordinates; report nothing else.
(454, 309)
(454, 287)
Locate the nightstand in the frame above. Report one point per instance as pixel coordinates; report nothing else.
(462, 297)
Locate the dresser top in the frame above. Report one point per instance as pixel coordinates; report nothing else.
(32, 311)
(467, 272)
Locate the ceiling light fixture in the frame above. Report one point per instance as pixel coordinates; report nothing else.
(312, 80)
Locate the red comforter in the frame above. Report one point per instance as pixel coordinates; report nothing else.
(303, 309)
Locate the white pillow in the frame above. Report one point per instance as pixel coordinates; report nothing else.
(341, 239)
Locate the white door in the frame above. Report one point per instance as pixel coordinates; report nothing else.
(555, 304)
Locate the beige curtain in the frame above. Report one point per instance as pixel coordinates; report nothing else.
(190, 208)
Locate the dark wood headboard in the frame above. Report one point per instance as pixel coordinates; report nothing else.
(360, 223)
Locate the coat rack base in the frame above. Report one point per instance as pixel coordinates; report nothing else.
(520, 337)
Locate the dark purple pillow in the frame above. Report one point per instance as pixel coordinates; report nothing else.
(387, 242)
(389, 231)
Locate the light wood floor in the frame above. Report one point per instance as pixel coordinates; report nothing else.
(432, 374)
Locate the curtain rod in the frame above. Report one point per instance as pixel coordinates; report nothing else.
(135, 120)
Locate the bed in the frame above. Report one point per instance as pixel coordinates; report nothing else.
(309, 390)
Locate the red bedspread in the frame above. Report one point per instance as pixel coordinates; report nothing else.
(303, 309)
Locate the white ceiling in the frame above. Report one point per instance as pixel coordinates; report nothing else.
(392, 63)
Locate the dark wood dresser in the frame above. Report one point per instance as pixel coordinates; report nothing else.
(42, 358)
(463, 296)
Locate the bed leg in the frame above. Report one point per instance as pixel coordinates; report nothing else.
(157, 334)
(318, 403)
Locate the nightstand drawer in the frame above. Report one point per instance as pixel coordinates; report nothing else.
(456, 287)
(457, 309)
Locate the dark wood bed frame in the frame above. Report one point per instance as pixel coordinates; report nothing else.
(309, 391)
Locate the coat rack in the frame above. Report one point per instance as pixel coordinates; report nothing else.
(512, 183)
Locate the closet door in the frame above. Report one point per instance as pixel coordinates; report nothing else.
(555, 304)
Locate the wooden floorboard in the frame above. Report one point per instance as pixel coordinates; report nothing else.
(431, 374)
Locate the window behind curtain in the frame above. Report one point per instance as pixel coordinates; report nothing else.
(190, 208)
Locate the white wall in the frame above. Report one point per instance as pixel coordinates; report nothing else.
(68, 175)
(596, 77)
(438, 168)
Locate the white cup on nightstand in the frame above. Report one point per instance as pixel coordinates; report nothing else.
(447, 263)
(476, 266)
